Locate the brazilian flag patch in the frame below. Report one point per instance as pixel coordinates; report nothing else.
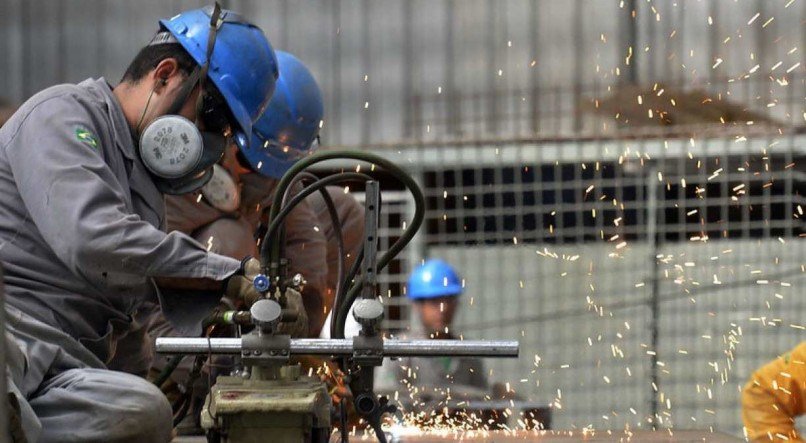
(86, 137)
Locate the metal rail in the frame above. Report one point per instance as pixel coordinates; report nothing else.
(344, 347)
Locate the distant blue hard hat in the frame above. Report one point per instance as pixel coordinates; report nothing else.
(433, 279)
(243, 65)
(287, 130)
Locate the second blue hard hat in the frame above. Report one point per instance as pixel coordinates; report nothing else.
(435, 278)
(287, 130)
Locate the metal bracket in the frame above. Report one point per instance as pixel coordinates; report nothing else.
(368, 351)
(265, 349)
(370, 264)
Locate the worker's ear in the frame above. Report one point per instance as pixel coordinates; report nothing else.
(165, 73)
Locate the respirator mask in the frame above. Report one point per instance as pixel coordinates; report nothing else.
(179, 153)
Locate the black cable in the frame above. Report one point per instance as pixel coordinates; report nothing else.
(345, 284)
(402, 241)
(180, 407)
(277, 220)
(269, 246)
(350, 277)
(334, 217)
(269, 250)
(169, 368)
(297, 179)
(337, 228)
(187, 396)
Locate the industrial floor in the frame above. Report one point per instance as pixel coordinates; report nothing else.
(554, 437)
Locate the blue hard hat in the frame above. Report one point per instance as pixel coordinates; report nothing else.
(243, 65)
(286, 131)
(435, 278)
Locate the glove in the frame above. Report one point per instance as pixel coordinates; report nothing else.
(298, 328)
(240, 289)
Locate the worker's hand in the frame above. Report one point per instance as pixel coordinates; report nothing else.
(298, 328)
(240, 288)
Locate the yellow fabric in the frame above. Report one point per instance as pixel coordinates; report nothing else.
(774, 396)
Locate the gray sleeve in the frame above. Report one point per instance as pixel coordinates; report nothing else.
(79, 206)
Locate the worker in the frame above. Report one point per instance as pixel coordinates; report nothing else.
(774, 396)
(435, 290)
(83, 170)
(228, 213)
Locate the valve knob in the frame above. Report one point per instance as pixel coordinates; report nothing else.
(261, 283)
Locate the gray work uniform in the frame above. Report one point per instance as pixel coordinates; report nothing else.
(80, 241)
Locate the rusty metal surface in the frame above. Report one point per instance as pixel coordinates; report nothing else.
(690, 436)
(576, 436)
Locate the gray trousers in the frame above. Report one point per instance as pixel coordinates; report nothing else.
(67, 395)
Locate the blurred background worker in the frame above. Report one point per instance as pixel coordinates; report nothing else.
(83, 171)
(435, 290)
(774, 397)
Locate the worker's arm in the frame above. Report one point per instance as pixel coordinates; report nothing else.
(187, 213)
(774, 396)
(79, 205)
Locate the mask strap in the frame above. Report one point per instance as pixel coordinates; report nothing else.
(199, 74)
(215, 22)
(184, 93)
(143, 114)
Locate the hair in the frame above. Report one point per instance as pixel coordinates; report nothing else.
(150, 56)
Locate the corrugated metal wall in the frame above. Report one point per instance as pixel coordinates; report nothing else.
(376, 59)
(470, 81)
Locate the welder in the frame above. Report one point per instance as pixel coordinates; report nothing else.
(435, 290)
(226, 216)
(83, 171)
(774, 396)
(230, 211)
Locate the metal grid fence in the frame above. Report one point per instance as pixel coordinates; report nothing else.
(645, 278)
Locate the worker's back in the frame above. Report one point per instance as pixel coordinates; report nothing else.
(50, 270)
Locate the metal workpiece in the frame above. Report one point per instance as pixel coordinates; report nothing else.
(344, 347)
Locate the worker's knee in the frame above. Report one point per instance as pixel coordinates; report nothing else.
(102, 405)
(149, 405)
